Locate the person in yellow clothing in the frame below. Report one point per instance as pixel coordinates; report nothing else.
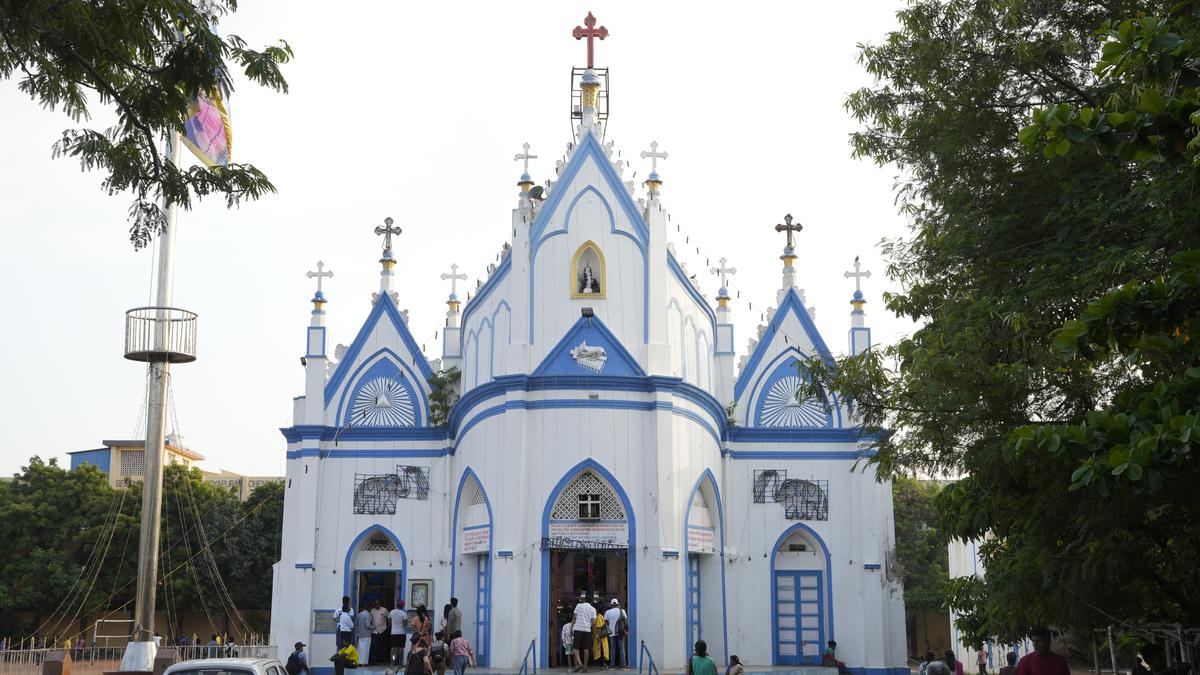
(600, 633)
(347, 657)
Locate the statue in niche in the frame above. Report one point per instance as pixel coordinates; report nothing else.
(588, 283)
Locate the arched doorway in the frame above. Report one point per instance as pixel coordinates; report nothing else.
(471, 572)
(374, 569)
(704, 574)
(588, 537)
(801, 597)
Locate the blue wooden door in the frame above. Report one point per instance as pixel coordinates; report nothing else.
(693, 601)
(483, 611)
(799, 618)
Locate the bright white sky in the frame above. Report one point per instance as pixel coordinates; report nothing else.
(415, 110)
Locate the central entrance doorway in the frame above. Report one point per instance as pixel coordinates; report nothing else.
(601, 575)
(586, 541)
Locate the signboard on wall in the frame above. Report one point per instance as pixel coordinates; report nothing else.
(477, 539)
(701, 539)
(610, 534)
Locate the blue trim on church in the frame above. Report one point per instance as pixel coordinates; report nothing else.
(384, 306)
(673, 265)
(791, 303)
(619, 363)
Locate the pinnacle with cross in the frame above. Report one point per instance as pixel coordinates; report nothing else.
(319, 275)
(654, 156)
(789, 228)
(387, 231)
(591, 32)
(723, 272)
(858, 275)
(526, 157)
(454, 277)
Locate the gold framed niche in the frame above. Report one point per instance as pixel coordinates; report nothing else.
(587, 273)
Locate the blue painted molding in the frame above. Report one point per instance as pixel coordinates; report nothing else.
(504, 554)
(309, 340)
(800, 454)
(631, 603)
(688, 288)
(304, 566)
(871, 566)
(490, 285)
(620, 362)
(828, 577)
(791, 304)
(384, 307)
(349, 453)
(321, 432)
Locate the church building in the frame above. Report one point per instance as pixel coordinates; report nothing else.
(603, 438)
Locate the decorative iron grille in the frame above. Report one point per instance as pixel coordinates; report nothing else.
(379, 542)
(376, 494)
(801, 499)
(585, 487)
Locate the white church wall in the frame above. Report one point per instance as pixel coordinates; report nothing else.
(689, 329)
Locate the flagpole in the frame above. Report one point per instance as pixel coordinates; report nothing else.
(141, 651)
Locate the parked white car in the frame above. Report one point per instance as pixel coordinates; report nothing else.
(227, 667)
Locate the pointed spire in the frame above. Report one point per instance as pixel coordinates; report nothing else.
(789, 250)
(653, 183)
(723, 273)
(318, 300)
(387, 260)
(857, 300)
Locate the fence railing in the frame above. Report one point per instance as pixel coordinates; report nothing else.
(645, 658)
(530, 653)
(98, 660)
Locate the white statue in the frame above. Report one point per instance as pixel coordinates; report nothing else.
(592, 358)
(588, 283)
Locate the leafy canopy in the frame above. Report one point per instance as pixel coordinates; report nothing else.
(145, 59)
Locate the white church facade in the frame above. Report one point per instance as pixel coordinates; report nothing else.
(604, 441)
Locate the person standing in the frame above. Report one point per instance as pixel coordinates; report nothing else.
(618, 626)
(700, 663)
(1011, 668)
(418, 657)
(438, 653)
(600, 635)
(422, 626)
(925, 662)
(585, 615)
(362, 626)
(461, 654)
(380, 648)
(345, 622)
(955, 666)
(297, 661)
(567, 635)
(453, 618)
(346, 657)
(735, 666)
(1042, 660)
(981, 660)
(399, 620)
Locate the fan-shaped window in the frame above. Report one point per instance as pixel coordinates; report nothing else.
(383, 402)
(588, 498)
(783, 405)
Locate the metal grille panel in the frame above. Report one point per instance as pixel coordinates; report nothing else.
(133, 463)
(587, 483)
(376, 494)
(379, 542)
(801, 499)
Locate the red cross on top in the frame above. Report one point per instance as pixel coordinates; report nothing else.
(591, 32)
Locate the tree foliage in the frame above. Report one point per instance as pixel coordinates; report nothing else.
(145, 60)
(920, 547)
(73, 543)
(1051, 301)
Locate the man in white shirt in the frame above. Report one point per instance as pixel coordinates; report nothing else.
(345, 621)
(362, 622)
(585, 616)
(617, 632)
(399, 619)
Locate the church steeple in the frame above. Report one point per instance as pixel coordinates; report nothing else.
(860, 335)
(589, 107)
(387, 274)
(654, 182)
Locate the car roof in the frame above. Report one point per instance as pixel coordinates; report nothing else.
(217, 663)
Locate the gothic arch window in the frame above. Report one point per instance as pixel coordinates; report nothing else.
(587, 272)
(588, 498)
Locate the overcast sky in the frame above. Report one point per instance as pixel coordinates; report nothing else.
(414, 111)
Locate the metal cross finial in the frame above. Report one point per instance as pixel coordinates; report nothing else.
(319, 275)
(789, 228)
(654, 155)
(525, 156)
(723, 271)
(590, 33)
(858, 275)
(387, 231)
(454, 278)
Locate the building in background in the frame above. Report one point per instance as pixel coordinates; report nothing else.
(124, 461)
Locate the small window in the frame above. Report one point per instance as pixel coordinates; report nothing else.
(589, 507)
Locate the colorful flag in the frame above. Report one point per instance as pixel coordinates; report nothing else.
(208, 131)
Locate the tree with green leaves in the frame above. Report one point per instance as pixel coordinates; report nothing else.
(921, 552)
(145, 60)
(1007, 247)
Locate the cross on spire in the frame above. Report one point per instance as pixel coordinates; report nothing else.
(857, 275)
(319, 275)
(387, 231)
(654, 156)
(454, 277)
(591, 32)
(525, 156)
(789, 228)
(723, 272)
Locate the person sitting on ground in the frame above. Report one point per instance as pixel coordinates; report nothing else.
(700, 663)
(347, 657)
(1042, 661)
(735, 666)
(1154, 658)
(829, 659)
(1011, 668)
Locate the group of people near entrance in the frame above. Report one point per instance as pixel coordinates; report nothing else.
(595, 635)
(398, 638)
